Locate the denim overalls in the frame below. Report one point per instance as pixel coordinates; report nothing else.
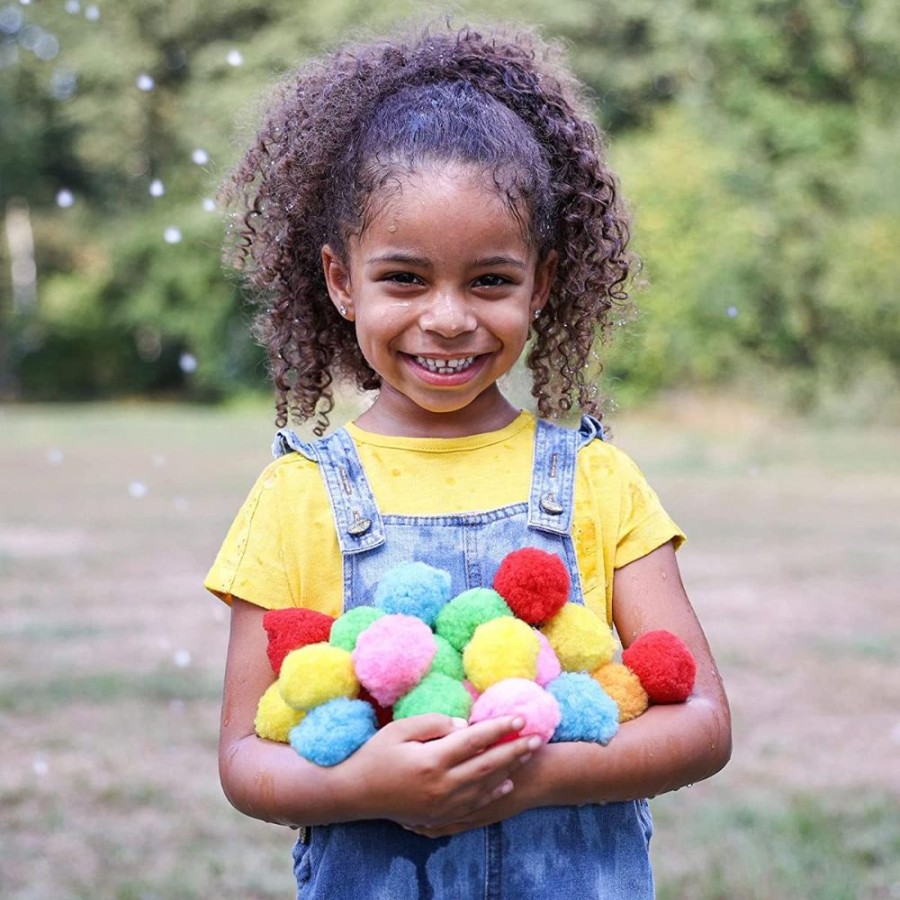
(592, 851)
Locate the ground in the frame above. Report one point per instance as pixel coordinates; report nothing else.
(112, 653)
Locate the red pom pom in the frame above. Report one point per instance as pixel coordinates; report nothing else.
(664, 666)
(384, 715)
(534, 584)
(289, 629)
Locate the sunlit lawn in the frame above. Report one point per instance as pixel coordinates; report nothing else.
(111, 654)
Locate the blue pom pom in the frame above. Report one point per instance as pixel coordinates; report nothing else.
(333, 731)
(588, 712)
(414, 589)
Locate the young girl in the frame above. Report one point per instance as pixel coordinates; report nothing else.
(417, 214)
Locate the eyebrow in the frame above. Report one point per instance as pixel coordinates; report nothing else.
(408, 259)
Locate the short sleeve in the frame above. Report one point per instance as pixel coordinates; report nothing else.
(250, 562)
(643, 523)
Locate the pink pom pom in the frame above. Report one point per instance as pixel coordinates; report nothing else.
(519, 697)
(663, 664)
(392, 656)
(548, 666)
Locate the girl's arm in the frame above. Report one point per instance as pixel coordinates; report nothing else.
(667, 747)
(426, 769)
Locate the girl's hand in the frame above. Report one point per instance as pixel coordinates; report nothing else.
(429, 771)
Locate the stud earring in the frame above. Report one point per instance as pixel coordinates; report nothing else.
(537, 313)
(343, 311)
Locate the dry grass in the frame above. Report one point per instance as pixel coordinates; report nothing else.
(111, 654)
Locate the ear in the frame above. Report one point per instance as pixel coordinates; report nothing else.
(543, 280)
(337, 280)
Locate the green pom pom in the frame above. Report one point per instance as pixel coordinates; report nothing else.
(447, 660)
(348, 627)
(435, 693)
(457, 621)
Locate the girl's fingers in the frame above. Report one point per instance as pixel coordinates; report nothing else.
(475, 740)
(427, 727)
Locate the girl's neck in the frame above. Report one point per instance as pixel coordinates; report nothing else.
(390, 415)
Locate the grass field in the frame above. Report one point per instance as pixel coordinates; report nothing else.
(111, 654)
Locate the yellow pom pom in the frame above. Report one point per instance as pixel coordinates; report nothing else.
(582, 640)
(315, 674)
(502, 648)
(274, 718)
(625, 688)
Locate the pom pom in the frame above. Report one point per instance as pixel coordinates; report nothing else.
(534, 583)
(548, 666)
(332, 732)
(435, 693)
(346, 628)
(624, 687)
(316, 674)
(502, 648)
(457, 621)
(582, 640)
(588, 713)
(383, 714)
(274, 718)
(519, 697)
(413, 589)
(290, 629)
(473, 693)
(665, 666)
(447, 660)
(392, 655)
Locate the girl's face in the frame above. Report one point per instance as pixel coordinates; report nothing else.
(442, 286)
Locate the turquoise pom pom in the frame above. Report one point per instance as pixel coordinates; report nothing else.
(588, 712)
(333, 731)
(413, 589)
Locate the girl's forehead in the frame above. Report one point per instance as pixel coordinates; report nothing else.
(446, 191)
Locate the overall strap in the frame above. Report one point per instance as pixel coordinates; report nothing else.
(358, 522)
(552, 500)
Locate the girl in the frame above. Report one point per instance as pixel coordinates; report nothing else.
(417, 214)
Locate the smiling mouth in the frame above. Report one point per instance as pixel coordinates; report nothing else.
(445, 366)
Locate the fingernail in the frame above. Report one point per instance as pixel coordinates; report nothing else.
(459, 723)
(534, 742)
(518, 722)
(524, 758)
(506, 787)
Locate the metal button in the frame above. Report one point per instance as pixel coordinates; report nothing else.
(550, 505)
(359, 526)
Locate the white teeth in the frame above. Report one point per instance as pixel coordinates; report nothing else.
(445, 366)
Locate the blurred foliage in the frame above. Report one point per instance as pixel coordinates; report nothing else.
(758, 143)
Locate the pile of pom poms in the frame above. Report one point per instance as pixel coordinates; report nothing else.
(518, 648)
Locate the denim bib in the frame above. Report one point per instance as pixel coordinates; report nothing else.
(591, 851)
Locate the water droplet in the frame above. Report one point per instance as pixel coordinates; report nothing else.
(145, 82)
(731, 312)
(40, 766)
(137, 489)
(92, 13)
(187, 363)
(182, 658)
(200, 157)
(157, 188)
(54, 456)
(235, 58)
(46, 46)
(73, 7)
(209, 204)
(172, 235)
(63, 83)
(65, 198)
(11, 19)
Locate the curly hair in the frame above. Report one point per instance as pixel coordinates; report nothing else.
(342, 126)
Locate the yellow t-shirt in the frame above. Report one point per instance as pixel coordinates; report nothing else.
(282, 549)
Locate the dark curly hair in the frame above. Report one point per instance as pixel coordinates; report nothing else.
(342, 127)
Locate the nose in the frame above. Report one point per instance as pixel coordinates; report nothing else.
(448, 314)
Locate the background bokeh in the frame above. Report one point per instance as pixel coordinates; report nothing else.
(755, 381)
